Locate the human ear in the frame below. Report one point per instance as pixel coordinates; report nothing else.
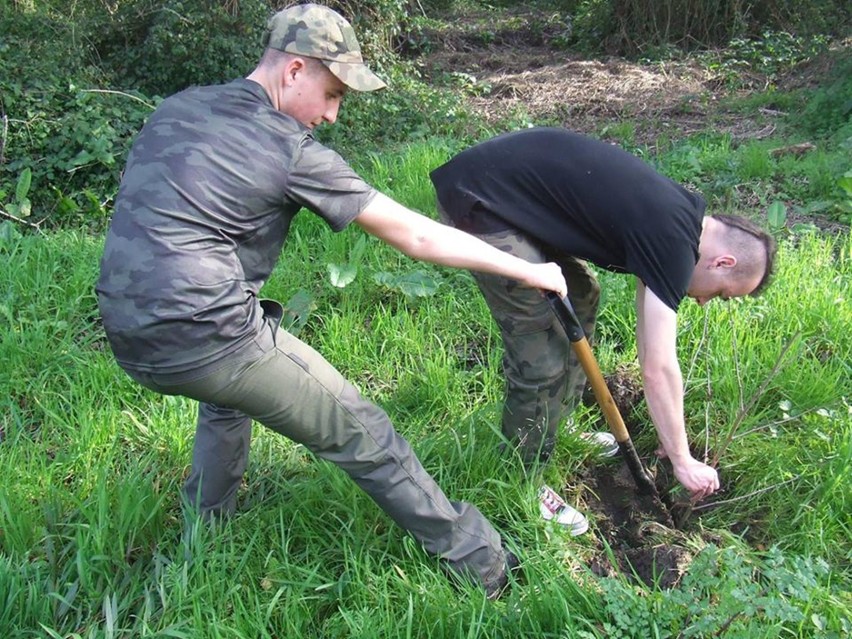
(292, 70)
(725, 261)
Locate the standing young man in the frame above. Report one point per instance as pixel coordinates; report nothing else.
(548, 194)
(210, 188)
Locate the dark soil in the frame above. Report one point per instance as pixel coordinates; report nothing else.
(625, 386)
(646, 533)
(642, 531)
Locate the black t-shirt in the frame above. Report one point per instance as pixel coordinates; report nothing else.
(583, 197)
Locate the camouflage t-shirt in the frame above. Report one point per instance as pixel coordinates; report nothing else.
(210, 188)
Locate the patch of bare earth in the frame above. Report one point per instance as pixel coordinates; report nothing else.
(651, 536)
(514, 57)
(524, 76)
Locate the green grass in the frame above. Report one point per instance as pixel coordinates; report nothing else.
(93, 543)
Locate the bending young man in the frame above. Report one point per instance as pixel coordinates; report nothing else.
(548, 194)
(210, 188)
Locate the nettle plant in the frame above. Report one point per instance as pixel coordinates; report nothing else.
(21, 206)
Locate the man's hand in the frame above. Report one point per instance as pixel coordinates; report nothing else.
(699, 479)
(547, 277)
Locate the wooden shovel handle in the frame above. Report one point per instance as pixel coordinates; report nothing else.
(581, 347)
(600, 389)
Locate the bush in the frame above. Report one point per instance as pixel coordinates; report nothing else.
(161, 47)
(830, 108)
(69, 125)
(71, 137)
(638, 26)
(406, 111)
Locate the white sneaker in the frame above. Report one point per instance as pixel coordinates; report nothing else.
(605, 442)
(553, 507)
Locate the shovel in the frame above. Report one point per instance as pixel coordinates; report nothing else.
(569, 321)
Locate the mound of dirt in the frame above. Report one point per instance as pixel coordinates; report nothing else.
(643, 534)
(625, 386)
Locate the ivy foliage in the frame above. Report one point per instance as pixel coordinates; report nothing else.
(58, 124)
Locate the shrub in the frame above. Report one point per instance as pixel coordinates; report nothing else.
(830, 108)
(71, 138)
(639, 26)
(161, 47)
(408, 110)
(67, 124)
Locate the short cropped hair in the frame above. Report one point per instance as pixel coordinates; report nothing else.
(274, 57)
(743, 236)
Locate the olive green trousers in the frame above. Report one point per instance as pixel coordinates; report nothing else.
(282, 383)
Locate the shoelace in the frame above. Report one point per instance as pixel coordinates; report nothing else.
(552, 502)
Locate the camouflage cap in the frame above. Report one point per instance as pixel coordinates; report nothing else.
(319, 32)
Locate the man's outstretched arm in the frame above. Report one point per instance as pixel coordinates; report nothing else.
(656, 340)
(422, 238)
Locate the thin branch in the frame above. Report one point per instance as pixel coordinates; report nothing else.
(736, 357)
(707, 422)
(19, 220)
(776, 423)
(724, 627)
(697, 350)
(741, 497)
(126, 95)
(3, 139)
(753, 399)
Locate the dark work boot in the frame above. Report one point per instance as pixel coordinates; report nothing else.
(495, 589)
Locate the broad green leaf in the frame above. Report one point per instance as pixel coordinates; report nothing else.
(23, 187)
(777, 213)
(297, 310)
(412, 284)
(342, 275)
(8, 234)
(845, 183)
(814, 207)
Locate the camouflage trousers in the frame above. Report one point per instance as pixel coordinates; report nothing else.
(544, 379)
(287, 386)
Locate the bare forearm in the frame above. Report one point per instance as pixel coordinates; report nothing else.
(664, 396)
(422, 238)
(447, 246)
(657, 330)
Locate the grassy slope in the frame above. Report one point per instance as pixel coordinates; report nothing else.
(92, 542)
(92, 538)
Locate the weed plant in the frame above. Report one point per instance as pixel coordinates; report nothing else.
(93, 542)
